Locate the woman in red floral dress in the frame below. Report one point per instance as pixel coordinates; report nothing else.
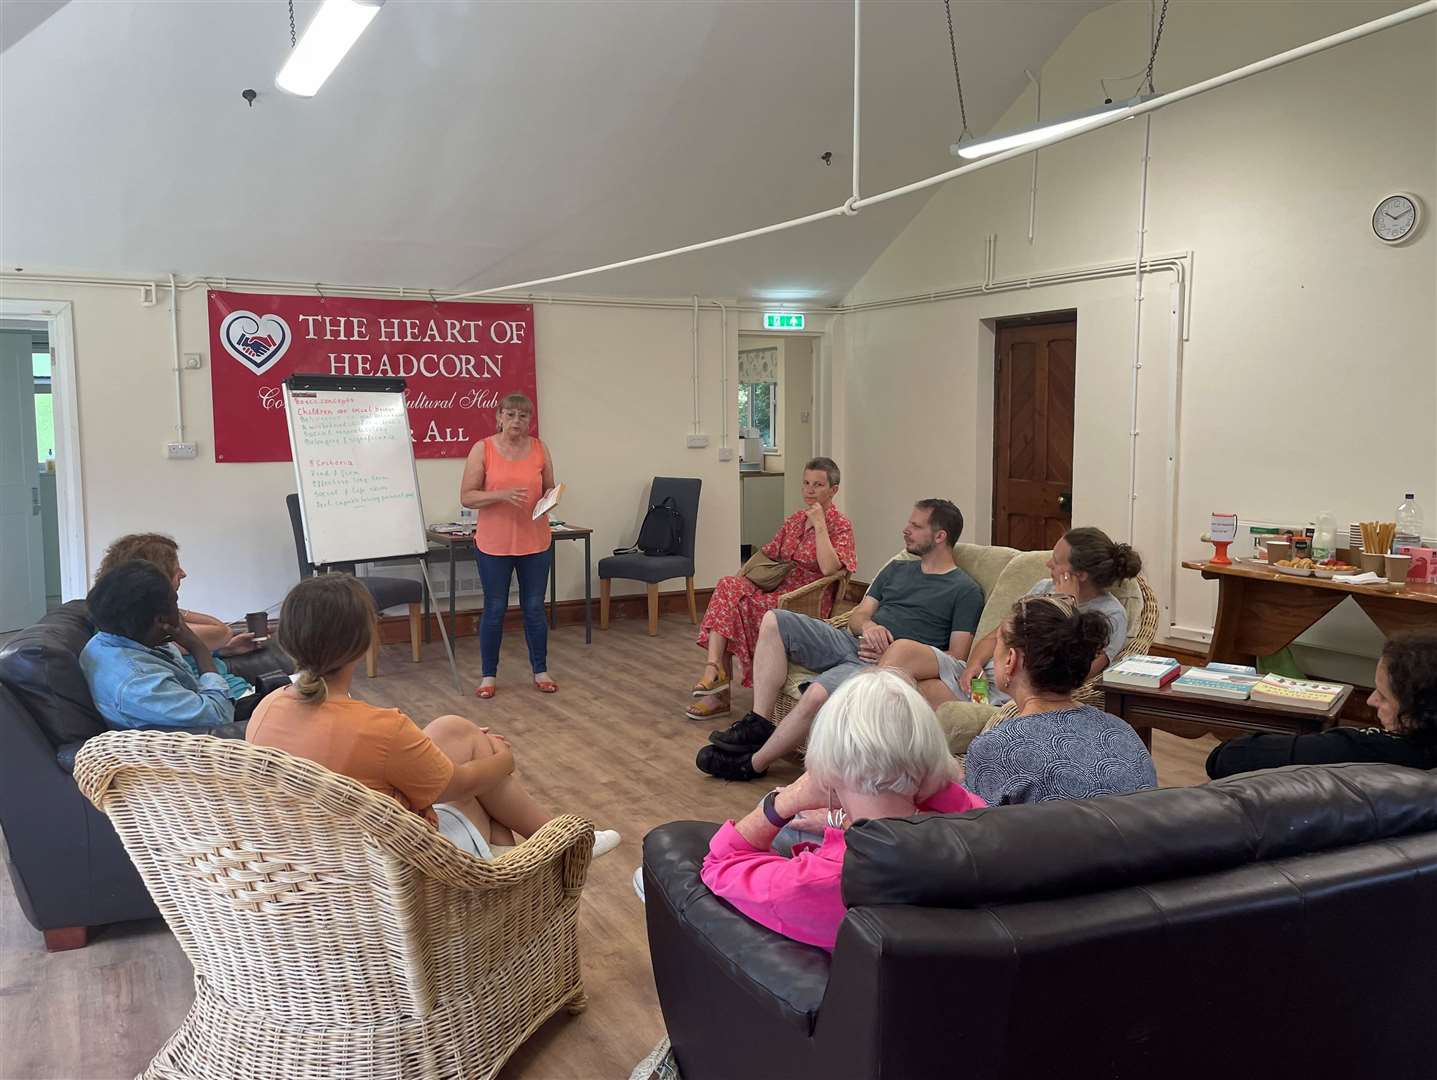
(818, 540)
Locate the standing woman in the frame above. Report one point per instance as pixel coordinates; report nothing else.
(504, 478)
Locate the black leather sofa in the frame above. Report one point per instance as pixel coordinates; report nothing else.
(69, 870)
(1275, 924)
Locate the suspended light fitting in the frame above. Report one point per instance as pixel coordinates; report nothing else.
(971, 148)
(1024, 136)
(335, 28)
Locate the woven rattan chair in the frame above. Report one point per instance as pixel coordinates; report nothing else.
(333, 933)
(808, 599)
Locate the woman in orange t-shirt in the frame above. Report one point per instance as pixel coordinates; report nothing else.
(458, 776)
(504, 478)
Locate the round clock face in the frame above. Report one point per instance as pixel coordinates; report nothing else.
(1395, 218)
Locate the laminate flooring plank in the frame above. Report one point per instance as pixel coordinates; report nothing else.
(613, 744)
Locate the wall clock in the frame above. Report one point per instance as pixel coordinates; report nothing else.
(1396, 218)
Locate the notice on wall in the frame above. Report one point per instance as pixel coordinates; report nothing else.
(458, 361)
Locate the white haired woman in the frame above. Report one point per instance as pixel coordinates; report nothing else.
(875, 751)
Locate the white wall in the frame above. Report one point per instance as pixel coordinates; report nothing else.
(616, 394)
(1309, 380)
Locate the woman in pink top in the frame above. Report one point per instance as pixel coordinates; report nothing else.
(504, 479)
(875, 751)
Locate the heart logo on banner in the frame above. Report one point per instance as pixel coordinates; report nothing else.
(256, 341)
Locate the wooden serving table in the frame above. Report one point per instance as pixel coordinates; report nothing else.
(1260, 611)
(1192, 715)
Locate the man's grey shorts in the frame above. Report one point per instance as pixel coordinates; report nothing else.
(832, 654)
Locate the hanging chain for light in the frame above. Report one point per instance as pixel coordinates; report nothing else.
(958, 79)
(1157, 37)
(291, 23)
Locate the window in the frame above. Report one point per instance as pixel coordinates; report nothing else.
(757, 407)
(44, 409)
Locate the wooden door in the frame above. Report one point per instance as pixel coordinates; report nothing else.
(1033, 434)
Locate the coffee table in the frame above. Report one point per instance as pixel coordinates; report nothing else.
(1191, 716)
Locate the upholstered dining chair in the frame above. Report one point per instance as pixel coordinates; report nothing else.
(653, 569)
(334, 933)
(387, 592)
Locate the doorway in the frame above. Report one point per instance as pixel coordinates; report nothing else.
(1034, 370)
(29, 525)
(43, 558)
(776, 379)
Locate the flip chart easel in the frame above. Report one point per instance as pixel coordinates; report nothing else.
(355, 473)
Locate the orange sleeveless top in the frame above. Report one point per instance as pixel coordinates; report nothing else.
(503, 528)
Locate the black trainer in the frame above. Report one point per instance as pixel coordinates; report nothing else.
(745, 735)
(726, 765)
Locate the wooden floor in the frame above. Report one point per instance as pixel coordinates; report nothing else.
(612, 744)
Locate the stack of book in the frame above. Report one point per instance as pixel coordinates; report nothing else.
(1144, 672)
(1225, 682)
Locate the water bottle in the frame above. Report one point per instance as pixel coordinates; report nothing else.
(1409, 525)
(1324, 537)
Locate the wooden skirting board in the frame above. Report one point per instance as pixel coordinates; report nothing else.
(394, 629)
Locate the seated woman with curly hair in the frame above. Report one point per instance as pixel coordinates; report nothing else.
(1406, 704)
(1054, 748)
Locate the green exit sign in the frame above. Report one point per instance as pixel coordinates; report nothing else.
(783, 320)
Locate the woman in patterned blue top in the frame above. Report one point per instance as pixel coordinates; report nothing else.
(1054, 748)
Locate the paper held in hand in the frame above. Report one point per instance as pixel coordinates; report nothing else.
(549, 501)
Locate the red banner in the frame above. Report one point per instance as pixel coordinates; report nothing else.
(459, 361)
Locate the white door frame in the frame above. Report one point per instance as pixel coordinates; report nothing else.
(59, 318)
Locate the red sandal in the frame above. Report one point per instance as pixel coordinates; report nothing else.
(485, 692)
(546, 686)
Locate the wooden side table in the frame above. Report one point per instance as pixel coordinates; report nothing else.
(1192, 717)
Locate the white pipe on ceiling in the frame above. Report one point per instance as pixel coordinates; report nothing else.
(857, 69)
(852, 206)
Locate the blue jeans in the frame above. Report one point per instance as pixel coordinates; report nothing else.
(495, 572)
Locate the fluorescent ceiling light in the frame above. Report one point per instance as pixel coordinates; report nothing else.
(336, 26)
(1026, 136)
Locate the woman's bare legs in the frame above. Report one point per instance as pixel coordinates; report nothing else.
(919, 661)
(504, 809)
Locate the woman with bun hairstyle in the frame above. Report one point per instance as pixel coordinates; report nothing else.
(1054, 747)
(1084, 565)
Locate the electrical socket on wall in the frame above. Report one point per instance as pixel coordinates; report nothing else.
(193, 361)
(725, 453)
(697, 442)
(182, 451)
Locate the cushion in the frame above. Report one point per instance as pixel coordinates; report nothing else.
(983, 563)
(41, 667)
(1130, 595)
(391, 592)
(1051, 850)
(1024, 570)
(647, 568)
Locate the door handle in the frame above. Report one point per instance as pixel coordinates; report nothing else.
(1065, 502)
(34, 502)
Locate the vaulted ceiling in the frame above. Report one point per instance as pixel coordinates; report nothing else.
(466, 145)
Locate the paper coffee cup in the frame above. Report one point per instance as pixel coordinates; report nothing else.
(1374, 562)
(1398, 567)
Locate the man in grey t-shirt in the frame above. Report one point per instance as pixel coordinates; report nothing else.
(927, 599)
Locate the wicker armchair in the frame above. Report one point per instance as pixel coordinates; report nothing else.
(808, 599)
(334, 933)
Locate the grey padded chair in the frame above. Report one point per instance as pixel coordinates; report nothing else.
(387, 592)
(652, 569)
